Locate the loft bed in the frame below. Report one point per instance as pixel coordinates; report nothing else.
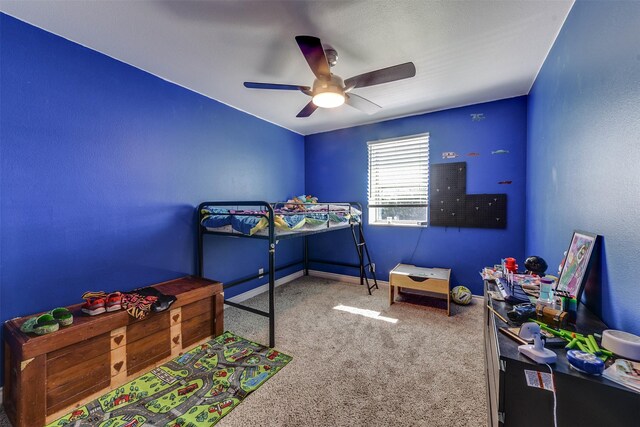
(272, 222)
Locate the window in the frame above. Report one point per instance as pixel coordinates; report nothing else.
(399, 180)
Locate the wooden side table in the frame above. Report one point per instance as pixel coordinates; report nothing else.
(435, 281)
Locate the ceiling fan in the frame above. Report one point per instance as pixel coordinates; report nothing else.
(329, 90)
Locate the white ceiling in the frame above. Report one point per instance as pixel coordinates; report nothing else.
(465, 52)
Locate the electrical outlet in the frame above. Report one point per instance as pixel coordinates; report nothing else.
(373, 267)
(261, 272)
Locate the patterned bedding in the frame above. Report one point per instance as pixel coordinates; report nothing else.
(286, 221)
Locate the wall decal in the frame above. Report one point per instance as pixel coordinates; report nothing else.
(500, 152)
(477, 117)
(473, 154)
(505, 182)
(449, 155)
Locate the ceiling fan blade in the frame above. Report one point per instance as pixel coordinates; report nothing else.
(362, 104)
(254, 85)
(384, 75)
(307, 110)
(313, 52)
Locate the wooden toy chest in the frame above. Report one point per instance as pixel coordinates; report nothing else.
(48, 376)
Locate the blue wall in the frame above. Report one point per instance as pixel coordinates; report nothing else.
(102, 166)
(583, 157)
(336, 169)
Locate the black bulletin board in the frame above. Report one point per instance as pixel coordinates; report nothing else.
(451, 206)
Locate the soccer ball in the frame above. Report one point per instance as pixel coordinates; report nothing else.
(461, 295)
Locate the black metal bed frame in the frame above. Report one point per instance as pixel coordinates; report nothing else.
(273, 238)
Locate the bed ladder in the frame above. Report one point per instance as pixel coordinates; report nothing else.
(363, 251)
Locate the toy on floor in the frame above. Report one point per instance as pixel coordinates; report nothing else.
(461, 295)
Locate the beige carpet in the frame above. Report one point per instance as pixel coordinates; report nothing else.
(351, 370)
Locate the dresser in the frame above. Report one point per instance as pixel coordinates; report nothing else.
(516, 395)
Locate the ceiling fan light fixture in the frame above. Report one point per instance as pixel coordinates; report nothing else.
(328, 99)
(328, 93)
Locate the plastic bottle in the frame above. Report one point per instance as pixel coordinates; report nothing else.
(546, 292)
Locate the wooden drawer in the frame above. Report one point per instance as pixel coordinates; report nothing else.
(148, 341)
(145, 327)
(76, 371)
(197, 321)
(198, 308)
(420, 283)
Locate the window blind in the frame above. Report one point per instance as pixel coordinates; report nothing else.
(399, 172)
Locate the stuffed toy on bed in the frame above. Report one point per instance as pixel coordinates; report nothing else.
(309, 199)
(297, 203)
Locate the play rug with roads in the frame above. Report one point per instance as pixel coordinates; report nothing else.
(196, 389)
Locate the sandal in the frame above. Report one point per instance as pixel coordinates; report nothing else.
(62, 316)
(95, 303)
(114, 301)
(44, 324)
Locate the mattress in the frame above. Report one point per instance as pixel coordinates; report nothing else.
(309, 218)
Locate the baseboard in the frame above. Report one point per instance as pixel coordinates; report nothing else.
(341, 277)
(265, 287)
(356, 280)
(286, 279)
(316, 273)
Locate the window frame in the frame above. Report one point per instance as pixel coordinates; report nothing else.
(417, 199)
